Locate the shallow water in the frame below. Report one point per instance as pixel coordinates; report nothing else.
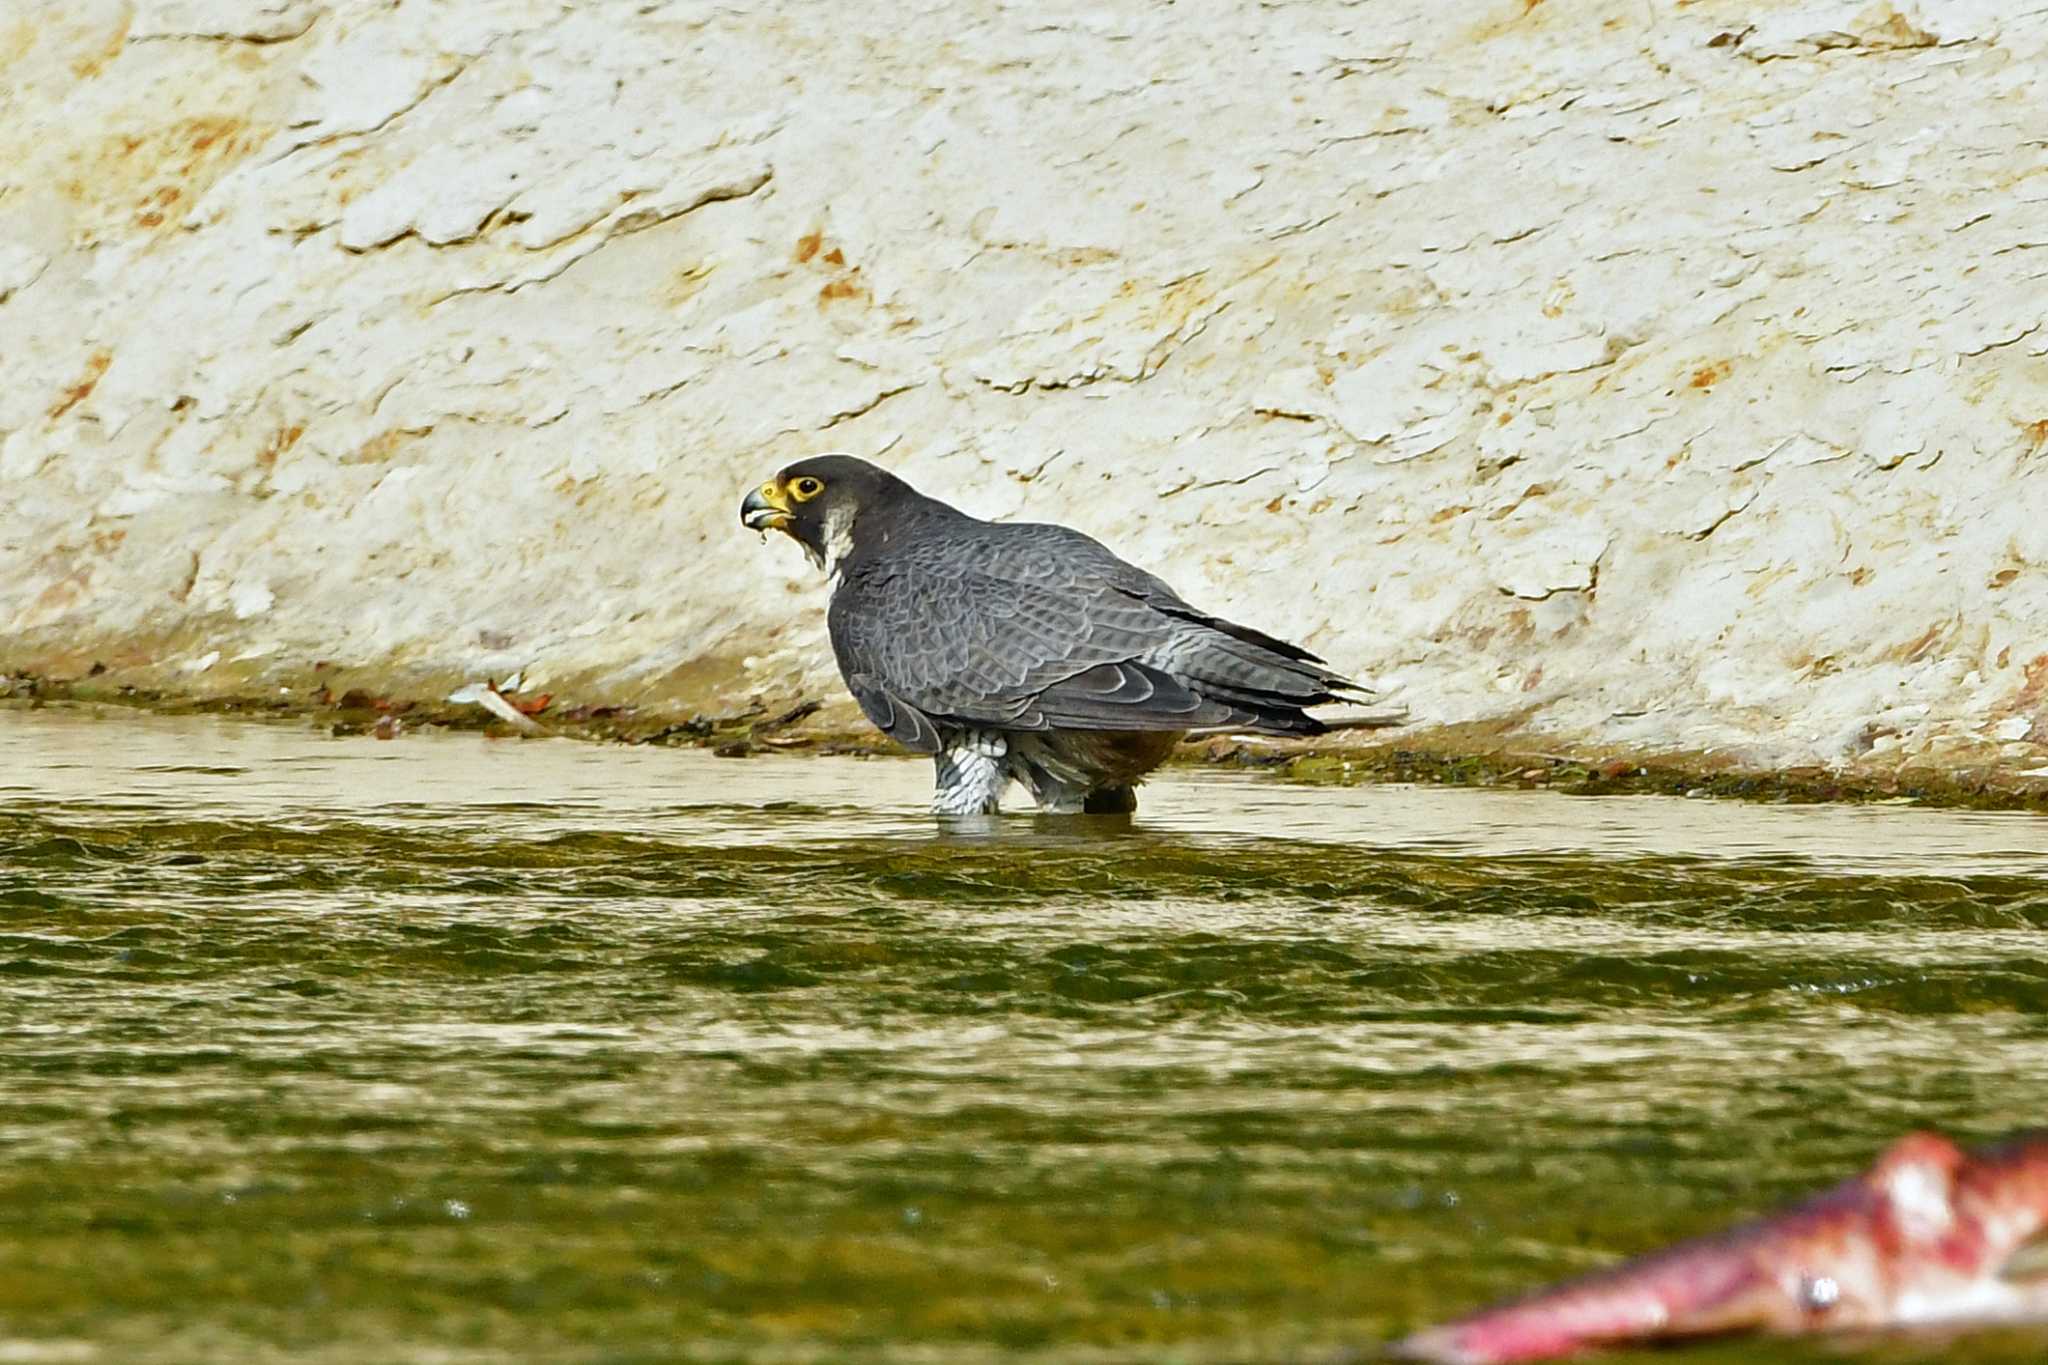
(452, 1049)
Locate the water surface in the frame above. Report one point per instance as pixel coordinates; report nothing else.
(459, 1050)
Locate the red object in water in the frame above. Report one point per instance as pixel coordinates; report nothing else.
(1920, 1239)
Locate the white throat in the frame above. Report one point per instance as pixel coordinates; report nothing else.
(838, 539)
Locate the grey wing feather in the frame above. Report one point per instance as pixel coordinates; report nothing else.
(899, 720)
(1028, 627)
(1127, 696)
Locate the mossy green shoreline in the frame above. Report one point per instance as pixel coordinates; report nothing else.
(1496, 754)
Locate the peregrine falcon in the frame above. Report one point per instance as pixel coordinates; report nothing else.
(1016, 651)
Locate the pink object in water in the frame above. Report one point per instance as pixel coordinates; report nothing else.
(1922, 1238)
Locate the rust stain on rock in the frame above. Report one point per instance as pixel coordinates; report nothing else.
(2035, 686)
(381, 447)
(1898, 32)
(847, 286)
(151, 209)
(1706, 376)
(686, 284)
(1508, 20)
(280, 441)
(135, 178)
(53, 601)
(90, 65)
(1916, 648)
(95, 367)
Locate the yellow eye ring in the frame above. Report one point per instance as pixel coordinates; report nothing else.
(805, 488)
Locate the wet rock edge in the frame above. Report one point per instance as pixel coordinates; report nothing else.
(1503, 753)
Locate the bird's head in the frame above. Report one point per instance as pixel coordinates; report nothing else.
(816, 502)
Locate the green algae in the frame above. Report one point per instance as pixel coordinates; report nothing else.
(1961, 787)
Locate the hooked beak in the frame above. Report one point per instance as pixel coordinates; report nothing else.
(766, 508)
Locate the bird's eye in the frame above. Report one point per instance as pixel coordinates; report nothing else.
(806, 488)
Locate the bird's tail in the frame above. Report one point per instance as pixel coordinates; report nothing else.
(1294, 723)
(1378, 720)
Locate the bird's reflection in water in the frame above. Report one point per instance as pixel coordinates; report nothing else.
(1051, 831)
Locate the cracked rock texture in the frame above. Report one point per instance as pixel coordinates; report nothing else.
(1650, 372)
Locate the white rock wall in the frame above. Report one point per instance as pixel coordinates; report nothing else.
(1649, 371)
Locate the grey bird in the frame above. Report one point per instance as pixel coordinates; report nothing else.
(1018, 651)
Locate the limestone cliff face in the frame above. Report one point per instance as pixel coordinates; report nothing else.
(1659, 372)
